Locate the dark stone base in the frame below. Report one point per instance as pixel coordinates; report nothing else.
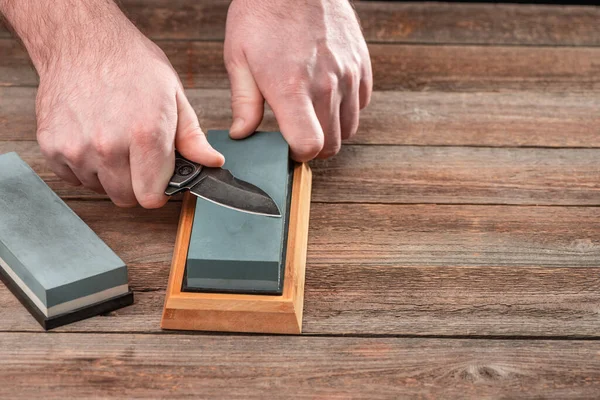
(70, 317)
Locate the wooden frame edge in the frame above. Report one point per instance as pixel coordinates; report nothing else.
(243, 312)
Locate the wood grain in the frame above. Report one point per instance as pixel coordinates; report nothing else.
(497, 24)
(376, 269)
(398, 174)
(407, 174)
(395, 67)
(405, 118)
(414, 22)
(159, 366)
(447, 75)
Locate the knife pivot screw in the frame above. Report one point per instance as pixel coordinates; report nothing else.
(185, 170)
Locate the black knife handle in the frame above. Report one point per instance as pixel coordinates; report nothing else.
(185, 171)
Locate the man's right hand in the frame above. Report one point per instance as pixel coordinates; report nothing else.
(110, 107)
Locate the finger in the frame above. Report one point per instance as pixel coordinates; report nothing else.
(88, 178)
(300, 126)
(85, 175)
(247, 103)
(69, 160)
(152, 161)
(349, 114)
(328, 113)
(190, 141)
(64, 172)
(54, 157)
(117, 183)
(152, 165)
(366, 86)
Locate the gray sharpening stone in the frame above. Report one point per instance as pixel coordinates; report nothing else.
(57, 266)
(235, 252)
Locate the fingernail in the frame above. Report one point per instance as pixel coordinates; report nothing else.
(238, 124)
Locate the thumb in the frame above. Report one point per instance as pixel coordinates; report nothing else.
(247, 103)
(190, 141)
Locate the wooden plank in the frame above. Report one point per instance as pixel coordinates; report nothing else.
(393, 174)
(407, 174)
(17, 113)
(174, 366)
(15, 65)
(395, 67)
(477, 68)
(415, 118)
(390, 269)
(415, 22)
(497, 24)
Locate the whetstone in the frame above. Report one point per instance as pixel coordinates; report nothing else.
(236, 252)
(49, 258)
(245, 311)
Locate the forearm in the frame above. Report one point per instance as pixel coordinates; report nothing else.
(52, 30)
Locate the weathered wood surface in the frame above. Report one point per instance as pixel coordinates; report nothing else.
(490, 109)
(246, 367)
(395, 67)
(408, 174)
(392, 22)
(391, 269)
(404, 118)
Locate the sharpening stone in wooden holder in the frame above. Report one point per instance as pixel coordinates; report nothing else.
(240, 272)
(49, 258)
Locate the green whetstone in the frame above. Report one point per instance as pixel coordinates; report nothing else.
(235, 252)
(49, 258)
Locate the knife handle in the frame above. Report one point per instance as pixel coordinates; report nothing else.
(185, 171)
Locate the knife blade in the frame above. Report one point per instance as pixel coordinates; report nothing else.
(219, 186)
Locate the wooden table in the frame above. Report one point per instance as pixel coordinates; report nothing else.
(454, 244)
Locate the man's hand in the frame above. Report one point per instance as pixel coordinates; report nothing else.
(308, 59)
(111, 109)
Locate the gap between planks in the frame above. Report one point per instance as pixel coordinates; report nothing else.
(550, 338)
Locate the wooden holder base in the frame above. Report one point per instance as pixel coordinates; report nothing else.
(243, 312)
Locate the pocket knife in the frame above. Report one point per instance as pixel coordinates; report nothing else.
(219, 186)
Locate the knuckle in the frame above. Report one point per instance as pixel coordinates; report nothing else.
(74, 154)
(327, 85)
(242, 99)
(191, 129)
(145, 133)
(105, 146)
(349, 78)
(151, 140)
